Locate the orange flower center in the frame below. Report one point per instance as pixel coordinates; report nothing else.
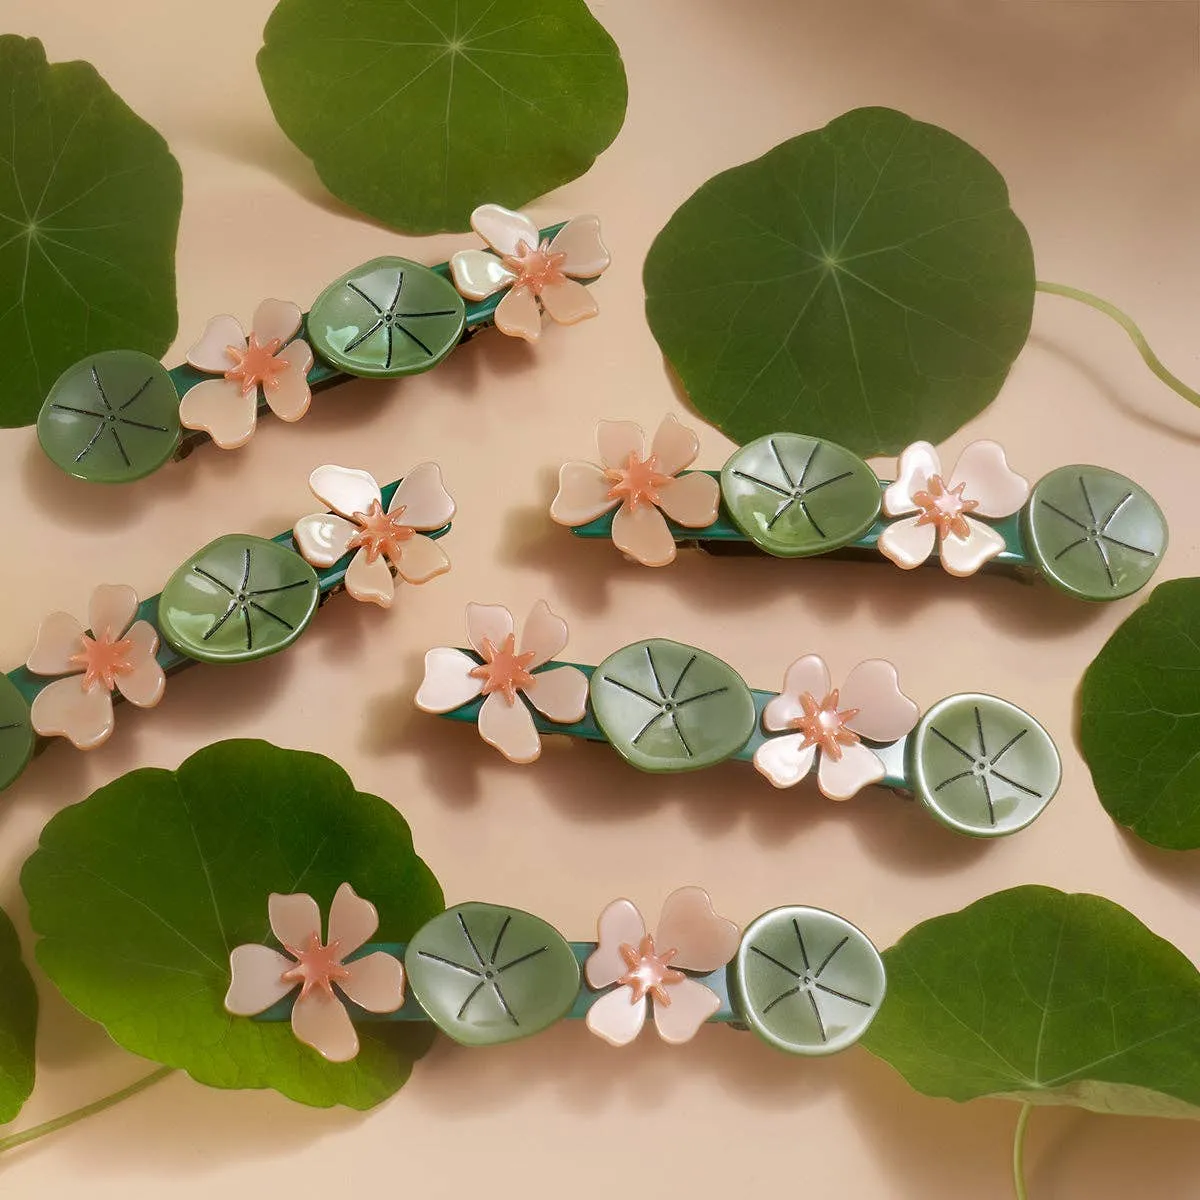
(945, 507)
(824, 726)
(535, 268)
(638, 482)
(256, 364)
(380, 532)
(316, 966)
(503, 669)
(649, 971)
(102, 659)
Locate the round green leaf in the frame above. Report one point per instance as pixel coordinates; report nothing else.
(867, 282)
(111, 418)
(18, 1024)
(237, 600)
(387, 318)
(1094, 533)
(669, 707)
(140, 893)
(806, 981)
(793, 495)
(89, 207)
(982, 766)
(487, 974)
(1140, 718)
(415, 113)
(1034, 995)
(16, 734)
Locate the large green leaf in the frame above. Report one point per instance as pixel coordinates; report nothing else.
(414, 113)
(18, 1024)
(140, 892)
(1140, 718)
(89, 207)
(1035, 995)
(867, 283)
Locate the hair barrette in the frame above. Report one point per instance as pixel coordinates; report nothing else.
(119, 415)
(1089, 531)
(976, 763)
(238, 599)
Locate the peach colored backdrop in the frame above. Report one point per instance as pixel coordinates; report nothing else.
(1092, 112)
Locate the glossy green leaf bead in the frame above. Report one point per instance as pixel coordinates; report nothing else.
(111, 418)
(794, 496)
(387, 318)
(806, 981)
(1094, 533)
(237, 600)
(982, 766)
(16, 734)
(487, 974)
(669, 707)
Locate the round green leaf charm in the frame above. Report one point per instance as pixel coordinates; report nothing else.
(669, 707)
(806, 981)
(487, 974)
(388, 317)
(16, 734)
(1094, 533)
(111, 418)
(982, 766)
(793, 495)
(239, 599)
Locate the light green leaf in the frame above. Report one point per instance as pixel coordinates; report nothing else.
(89, 207)
(1140, 718)
(140, 892)
(866, 283)
(414, 113)
(1036, 995)
(18, 1024)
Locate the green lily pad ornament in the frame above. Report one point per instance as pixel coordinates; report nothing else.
(16, 734)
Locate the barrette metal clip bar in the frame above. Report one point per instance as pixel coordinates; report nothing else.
(1087, 530)
(978, 764)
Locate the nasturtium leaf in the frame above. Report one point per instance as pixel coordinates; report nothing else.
(1035, 995)
(141, 891)
(18, 1024)
(16, 733)
(1140, 718)
(867, 282)
(90, 198)
(416, 113)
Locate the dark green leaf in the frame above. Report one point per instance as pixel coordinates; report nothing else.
(16, 732)
(140, 892)
(866, 283)
(416, 113)
(18, 1024)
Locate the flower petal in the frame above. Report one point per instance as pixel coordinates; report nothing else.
(145, 684)
(582, 494)
(808, 674)
(211, 352)
(907, 543)
(322, 1022)
(691, 1005)
(491, 621)
(642, 533)
(964, 556)
(510, 728)
(276, 319)
(64, 709)
(322, 538)
(295, 917)
(478, 274)
(579, 239)
(620, 924)
(346, 490)
(221, 409)
(885, 713)
(111, 609)
(675, 446)
(288, 394)
(844, 778)
(689, 926)
(352, 920)
(617, 1018)
(448, 682)
(560, 694)
(376, 982)
(427, 504)
(545, 633)
(59, 639)
(989, 480)
(917, 463)
(692, 500)
(257, 979)
(568, 302)
(784, 760)
(421, 559)
(503, 229)
(370, 582)
(518, 315)
(617, 440)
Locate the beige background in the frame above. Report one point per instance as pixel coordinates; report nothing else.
(1091, 111)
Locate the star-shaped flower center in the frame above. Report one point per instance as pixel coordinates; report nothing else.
(380, 532)
(102, 659)
(316, 966)
(824, 726)
(256, 364)
(649, 971)
(638, 482)
(535, 267)
(503, 669)
(944, 507)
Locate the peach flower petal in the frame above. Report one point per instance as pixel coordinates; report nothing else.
(617, 1018)
(504, 229)
(579, 239)
(691, 500)
(989, 480)
(370, 582)
(808, 674)
(146, 683)
(691, 1005)
(784, 761)
(421, 559)
(568, 302)
(346, 490)
(620, 924)
(111, 609)
(617, 440)
(491, 621)
(352, 920)
(545, 633)
(675, 446)
(323, 538)
(839, 779)
(222, 410)
(478, 274)
(917, 463)
(376, 982)
(257, 979)
(702, 940)
(288, 394)
(64, 709)
(276, 319)
(964, 556)
(885, 713)
(448, 683)
(294, 917)
(518, 315)
(560, 694)
(211, 352)
(58, 639)
(427, 504)
(510, 728)
(582, 494)
(642, 533)
(906, 543)
(323, 1023)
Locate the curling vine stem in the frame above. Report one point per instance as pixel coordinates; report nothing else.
(1019, 1152)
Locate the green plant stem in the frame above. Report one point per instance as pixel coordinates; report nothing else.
(1018, 1161)
(39, 1131)
(1135, 334)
